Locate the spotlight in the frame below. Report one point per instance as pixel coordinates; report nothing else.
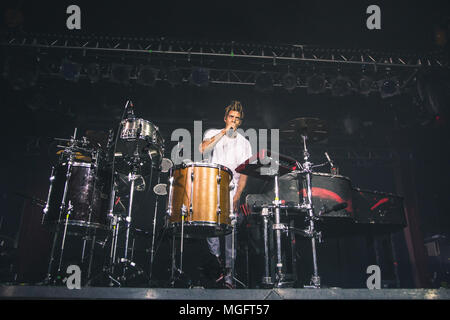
(389, 87)
(147, 76)
(70, 70)
(341, 86)
(120, 73)
(316, 84)
(289, 81)
(93, 72)
(263, 82)
(200, 77)
(365, 85)
(174, 76)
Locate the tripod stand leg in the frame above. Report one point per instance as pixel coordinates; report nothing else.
(52, 257)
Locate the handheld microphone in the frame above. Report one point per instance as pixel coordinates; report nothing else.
(230, 132)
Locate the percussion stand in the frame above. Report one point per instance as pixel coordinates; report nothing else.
(132, 176)
(63, 210)
(311, 232)
(233, 253)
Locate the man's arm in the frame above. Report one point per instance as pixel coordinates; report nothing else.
(208, 144)
(240, 187)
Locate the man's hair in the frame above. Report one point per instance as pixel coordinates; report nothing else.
(235, 106)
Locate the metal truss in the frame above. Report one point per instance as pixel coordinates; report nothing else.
(264, 53)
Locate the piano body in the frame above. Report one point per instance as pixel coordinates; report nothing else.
(366, 211)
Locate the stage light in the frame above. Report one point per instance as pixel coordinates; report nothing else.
(120, 74)
(389, 87)
(263, 82)
(147, 76)
(316, 84)
(365, 85)
(341, 86)
(22, 72)
(93, 72)
(289, 81)
(70, 70)
(174, 76)
(200, 77)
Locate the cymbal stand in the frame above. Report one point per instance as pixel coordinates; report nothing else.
(132, 176)
(62, 209)
(152, 250)
(311, 232)
(278, 227)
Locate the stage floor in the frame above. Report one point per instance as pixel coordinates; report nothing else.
(53, 292)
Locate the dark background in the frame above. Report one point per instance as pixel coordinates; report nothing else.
(401, 130)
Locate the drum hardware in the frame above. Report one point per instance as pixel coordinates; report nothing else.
(218, 178)
(166, 166)
(267, 279)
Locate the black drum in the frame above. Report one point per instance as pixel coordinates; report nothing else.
(87, 192)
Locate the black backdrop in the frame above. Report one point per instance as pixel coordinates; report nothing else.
(53, 108)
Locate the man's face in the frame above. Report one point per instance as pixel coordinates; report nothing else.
(233, 118)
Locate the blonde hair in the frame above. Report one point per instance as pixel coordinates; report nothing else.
(235, 106)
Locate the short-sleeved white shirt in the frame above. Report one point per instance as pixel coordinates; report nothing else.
(230, 152)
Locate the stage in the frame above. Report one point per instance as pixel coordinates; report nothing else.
(104, 293)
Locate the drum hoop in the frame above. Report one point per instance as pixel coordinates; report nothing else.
(138, 120)
(208, 165)
(81, 164)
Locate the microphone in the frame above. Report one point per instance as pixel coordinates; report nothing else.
(230, 132)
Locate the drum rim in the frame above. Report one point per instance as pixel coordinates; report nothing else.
(205, 164)
(80, 164)
(136, 120)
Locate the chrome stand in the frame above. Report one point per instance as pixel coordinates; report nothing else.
(311, 232)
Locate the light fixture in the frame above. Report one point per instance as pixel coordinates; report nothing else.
(341, 86)
(200, 76)
(389, 87)
(120, 73)
(316, 84)
(147, 76)
(289, 81)
(93, 72)
(174, 76)
(70, 70)
(22, 72)
(263, 82)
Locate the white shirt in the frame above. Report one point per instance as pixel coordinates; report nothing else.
(230, 152)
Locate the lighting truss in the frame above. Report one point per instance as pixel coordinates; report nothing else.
(269, 54)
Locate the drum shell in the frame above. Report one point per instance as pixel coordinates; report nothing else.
(204, 195)
(148, 145)
(87, 192)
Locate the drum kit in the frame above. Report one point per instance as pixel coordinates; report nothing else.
(83, 196)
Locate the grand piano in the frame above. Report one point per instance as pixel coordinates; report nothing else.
(364, 211)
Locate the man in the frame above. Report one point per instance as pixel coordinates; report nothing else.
(229, 148)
